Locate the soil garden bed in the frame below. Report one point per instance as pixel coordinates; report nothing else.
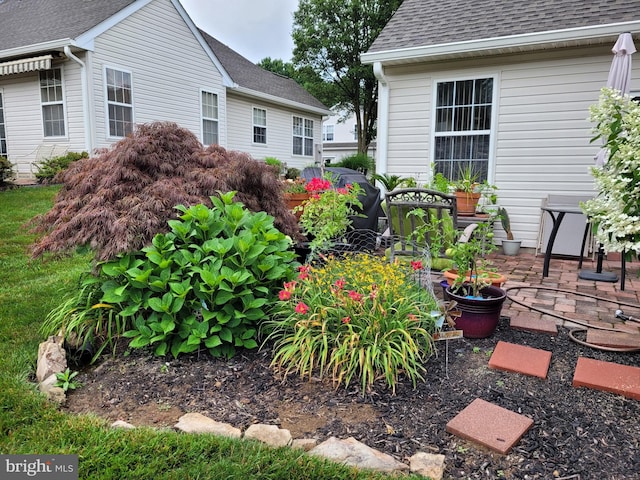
(577, 433)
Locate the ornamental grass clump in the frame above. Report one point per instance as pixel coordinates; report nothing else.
(356, 316)
(615, 211)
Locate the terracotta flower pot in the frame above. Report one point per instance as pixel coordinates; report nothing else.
(296, 199)
(479, 316)
(466, 203)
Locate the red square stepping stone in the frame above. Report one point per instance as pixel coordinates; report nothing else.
(608, 376)
(607, 338)
(520, 359)
(490, 425)
(531, 323)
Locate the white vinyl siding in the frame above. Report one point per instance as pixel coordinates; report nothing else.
(119, 102)
(169, 70)
(3, 130)
(259, 125)
(209, 118)
(52, 99)
(302, 136)
(240, 116)
(541, 134)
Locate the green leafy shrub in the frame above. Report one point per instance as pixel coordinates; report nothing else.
(355, 316)
(209, 281)
(6, 170)
(49, 168)
(275, 164)
(358, 161)
(292, 173)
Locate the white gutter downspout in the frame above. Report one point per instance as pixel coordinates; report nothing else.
(88, 124)
(383, 119)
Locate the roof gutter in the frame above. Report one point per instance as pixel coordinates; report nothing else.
(528, 41)
(382, 143)
(35, 48)
(86, 113)
(279, 100)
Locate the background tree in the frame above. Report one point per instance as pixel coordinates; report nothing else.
(329, 36)
(306, 77)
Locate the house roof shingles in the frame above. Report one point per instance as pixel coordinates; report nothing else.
(424, 23)
(31, 22)
(250, 76)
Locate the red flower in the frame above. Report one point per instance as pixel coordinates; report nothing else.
(417, 265)
(340, 283)
(343, 191)
(290, 286)
(304, 272)
(353, 295)
(317, 185)
(346, 320)
(302, 308)
(284, 295)
(413, 318)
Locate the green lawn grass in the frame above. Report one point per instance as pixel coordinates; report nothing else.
(29, 289)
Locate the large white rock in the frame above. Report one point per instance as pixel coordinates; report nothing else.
(198, 423)
(354, 453)
(52, 358)
(269, 434)
(428, 465)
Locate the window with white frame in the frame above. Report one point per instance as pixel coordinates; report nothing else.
(302, 136)
(259, 125)
(3, 131)
(327, 133)
(119, 102)
(209, 118)
(462, 127)
(52, 100)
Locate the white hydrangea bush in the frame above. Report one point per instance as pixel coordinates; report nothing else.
(615, 211)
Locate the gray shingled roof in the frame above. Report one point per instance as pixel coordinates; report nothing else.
(423, 23)
(29, 22)
(249, 75)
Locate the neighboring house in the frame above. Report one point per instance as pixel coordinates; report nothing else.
(340, 138)
(503, 85)
(77, 75)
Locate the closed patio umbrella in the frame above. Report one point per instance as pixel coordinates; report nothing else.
(620, 79)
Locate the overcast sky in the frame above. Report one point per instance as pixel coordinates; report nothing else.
(254, 28)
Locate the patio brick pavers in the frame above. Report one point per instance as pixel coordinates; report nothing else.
(500, 429)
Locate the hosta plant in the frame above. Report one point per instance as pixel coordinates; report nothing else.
(205, 284)
(354, 317)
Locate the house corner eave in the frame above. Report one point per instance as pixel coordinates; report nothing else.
(572, 37)
(247, 92)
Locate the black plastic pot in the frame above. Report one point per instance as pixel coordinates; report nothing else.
(479, 316)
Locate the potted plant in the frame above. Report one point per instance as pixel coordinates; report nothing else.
(475, 285)
(510, 246)
(327, 215)
(296, 194)
(466, 191)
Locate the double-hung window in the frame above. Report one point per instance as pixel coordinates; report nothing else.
(119, 102)
(328, 133)
(209, 109)
(302, 136)
(462, 136)
(260, 126)
(52, 100)
(3, 131)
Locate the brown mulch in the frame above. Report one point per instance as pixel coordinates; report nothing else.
(577, 432)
